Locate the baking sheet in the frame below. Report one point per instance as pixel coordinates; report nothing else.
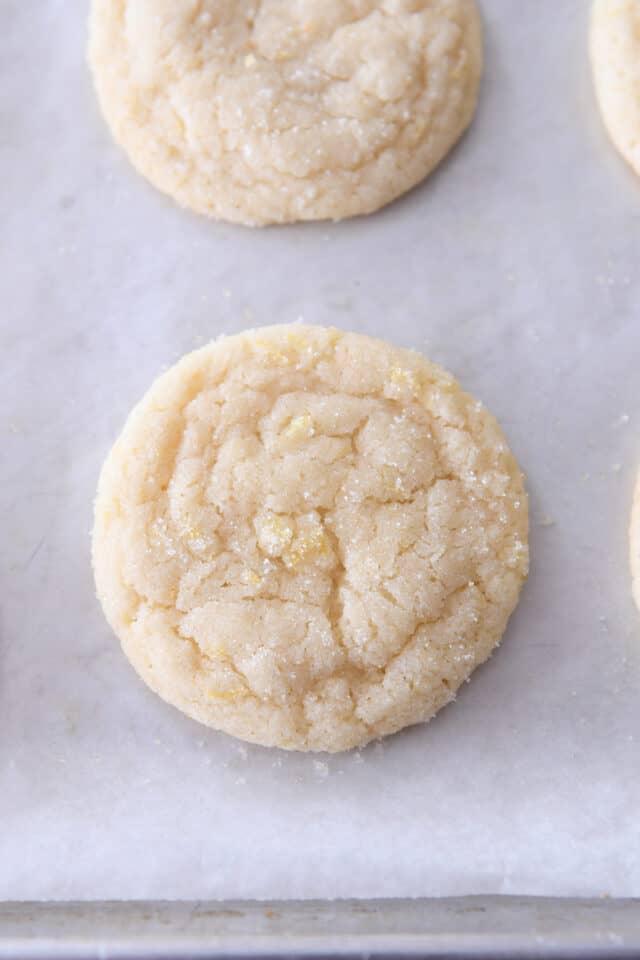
(516, 267)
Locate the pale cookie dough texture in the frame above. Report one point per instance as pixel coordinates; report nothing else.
(634, 534)
(309, 539)
(271, 111)
(615, 55)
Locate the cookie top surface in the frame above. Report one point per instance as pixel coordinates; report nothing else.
(615, 55)
(307, 538)
(266, 111)
(634, 534)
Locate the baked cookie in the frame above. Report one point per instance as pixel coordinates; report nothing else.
(274, 111)
(309, 538)
(634, 536)
(615, 55)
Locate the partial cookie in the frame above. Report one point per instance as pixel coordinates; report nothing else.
(615, 55)
(634, 536)
(271, 112)
(309, 539)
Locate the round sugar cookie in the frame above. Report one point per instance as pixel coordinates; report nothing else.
(273, 111)
(615, 55)
(308, 538)
(634, 537)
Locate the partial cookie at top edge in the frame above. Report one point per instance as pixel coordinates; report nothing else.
(269, 113)
(615, 57)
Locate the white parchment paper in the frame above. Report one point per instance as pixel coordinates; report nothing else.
(516, 266)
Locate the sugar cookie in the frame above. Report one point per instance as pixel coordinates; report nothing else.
(271, 112)
(308, 538)
(615, 55)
